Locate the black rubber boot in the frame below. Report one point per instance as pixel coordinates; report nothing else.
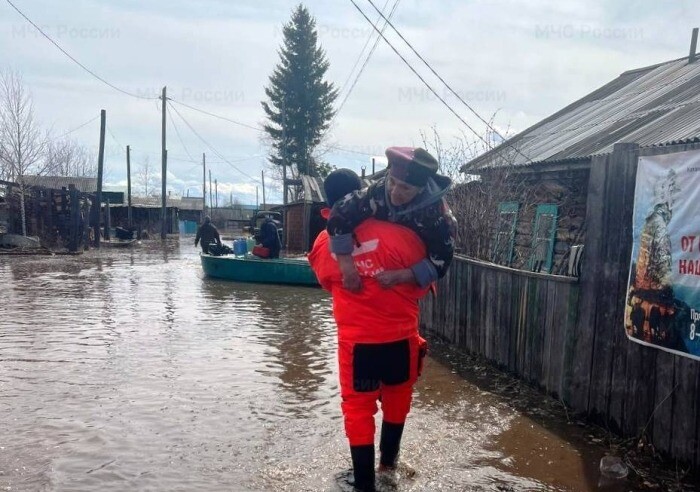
(363, 467)
(390, 443)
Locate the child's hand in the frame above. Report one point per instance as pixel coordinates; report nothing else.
(388, 278)
(351, 279)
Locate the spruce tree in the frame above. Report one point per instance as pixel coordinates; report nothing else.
(300, 104)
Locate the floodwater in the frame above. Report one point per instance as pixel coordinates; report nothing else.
(129, 370)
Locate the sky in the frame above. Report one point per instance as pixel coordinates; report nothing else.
(518, 60)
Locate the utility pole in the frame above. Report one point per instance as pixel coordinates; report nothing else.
(204, 185)
(263, 187)
(216, 194)
(164, 170)
(128, 185)
(372, 165)
(211, 202)
(256, 198)
(230, 199)
(100, 173)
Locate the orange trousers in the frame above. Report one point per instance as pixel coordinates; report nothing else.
(378, 371)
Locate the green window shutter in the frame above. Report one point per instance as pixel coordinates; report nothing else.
(505, 233)
(543, 236)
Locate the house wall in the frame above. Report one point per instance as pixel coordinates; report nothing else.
(294, 227)
(476, 207)
(567, 336)
(567, 189)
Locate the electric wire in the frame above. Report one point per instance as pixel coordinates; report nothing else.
(109, 84)
(109, 130)
(256, 128)
(362, 53)
(179, 137)
(76, 128)
(430, 88)
(432, 70)
(218, 154)
(72, 58)
(369, 55)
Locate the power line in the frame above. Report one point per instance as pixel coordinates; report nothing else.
(115, 138)
(362, 52)
(179, 137)
(488, 125)
(73, 59)
(76, 128)
(369, 55)
(350, 151)
(257, 128)
(420, 77)
(212, 148)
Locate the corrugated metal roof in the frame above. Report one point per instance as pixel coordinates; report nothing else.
(155, 202)
(650, 106)
(85, 185)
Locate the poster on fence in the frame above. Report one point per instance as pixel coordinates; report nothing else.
(663, 291)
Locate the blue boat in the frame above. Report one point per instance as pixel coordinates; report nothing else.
(249, 268)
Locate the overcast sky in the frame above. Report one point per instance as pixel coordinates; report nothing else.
(524, 59)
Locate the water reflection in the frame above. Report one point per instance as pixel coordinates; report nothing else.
(128, 370)
(295, 327)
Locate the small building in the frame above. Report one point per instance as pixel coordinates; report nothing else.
(531, 200)
(303, 221)
(302, 217)
(146, 213)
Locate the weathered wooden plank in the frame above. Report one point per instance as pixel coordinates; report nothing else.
(474, 310)
(632, 382)
(558, 328)
(549, 341)
(514, 329)
(487, 314)
(456, 302)
(522, 325)
(569, 337)
(608, 318)
(505, 322)
(663, 401)
(537, 332)
(696, 441)
(685, 402)
(482, 308)
(625, 388)
(523, 362)
(585, 331)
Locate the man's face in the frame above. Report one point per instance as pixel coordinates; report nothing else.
(400, 192)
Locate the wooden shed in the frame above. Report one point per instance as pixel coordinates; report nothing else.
(302, 220)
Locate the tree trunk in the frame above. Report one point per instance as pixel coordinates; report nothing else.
(23, 214)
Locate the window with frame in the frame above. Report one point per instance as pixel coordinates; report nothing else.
(504, 241)
(543, 236)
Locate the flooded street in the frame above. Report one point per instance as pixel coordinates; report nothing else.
(128, 370)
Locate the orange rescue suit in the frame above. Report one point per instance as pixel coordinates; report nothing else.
(379, 348)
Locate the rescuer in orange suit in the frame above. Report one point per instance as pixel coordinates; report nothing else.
(380, 351)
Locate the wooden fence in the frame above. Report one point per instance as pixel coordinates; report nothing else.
(518, 320)
(567, 335)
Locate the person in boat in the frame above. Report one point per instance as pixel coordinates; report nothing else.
(269, 238)
(412, 195)
(380, 351)
(207, 235)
